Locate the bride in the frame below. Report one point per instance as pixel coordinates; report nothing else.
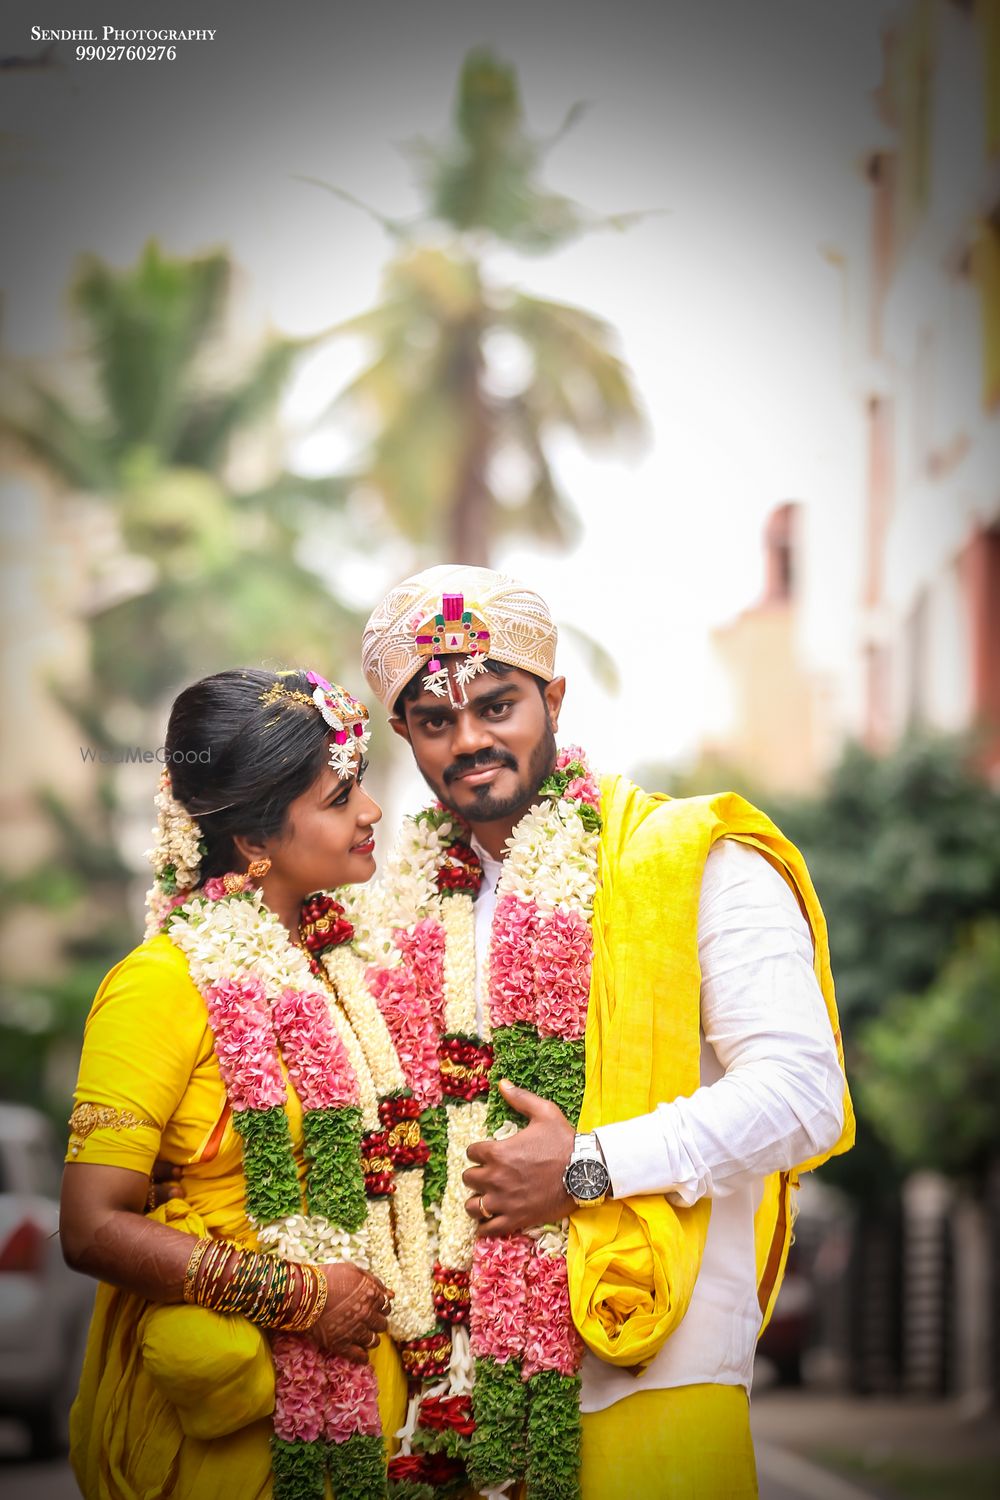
(240, 1337)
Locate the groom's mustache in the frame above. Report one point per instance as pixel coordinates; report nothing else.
(479, 762)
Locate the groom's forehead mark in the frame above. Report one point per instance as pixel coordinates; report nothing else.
(429, 707)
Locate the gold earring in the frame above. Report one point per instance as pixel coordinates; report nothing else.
(258, 868)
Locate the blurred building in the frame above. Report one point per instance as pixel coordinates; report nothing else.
(881, 611)
(930, 569)
(900, 629)
(776, 721)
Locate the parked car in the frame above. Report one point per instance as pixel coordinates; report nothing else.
(786, 1338)
(800, 1333)
(44, 1306)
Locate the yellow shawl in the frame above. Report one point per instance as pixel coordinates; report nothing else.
(633, 1263)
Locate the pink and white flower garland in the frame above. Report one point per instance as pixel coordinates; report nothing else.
(427, 911)
(396, 1036)
(526, 1400)
(525, 1348)
(264, 1006)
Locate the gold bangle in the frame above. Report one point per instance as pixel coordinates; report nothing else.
(301, 1316)
(193, 1267)
(265, 1290)
(322, 1291)
(241, 1284)
(216, 1262)
(312, 1301)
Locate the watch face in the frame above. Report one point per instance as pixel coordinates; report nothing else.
(587, 1179)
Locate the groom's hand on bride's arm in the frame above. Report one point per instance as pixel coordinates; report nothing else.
(518, 1182)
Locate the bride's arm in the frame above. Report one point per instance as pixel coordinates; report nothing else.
(104, 1234)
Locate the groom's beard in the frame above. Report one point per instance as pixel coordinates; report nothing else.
(483, 804)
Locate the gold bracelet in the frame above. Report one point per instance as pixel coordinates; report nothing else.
(264, 1301)
(193, 1267)
(312, 1302)
(298, 1318)
(216, 1262)
(306, 1312)
(242, 1284)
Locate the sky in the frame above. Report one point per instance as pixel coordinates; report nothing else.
(742, 127)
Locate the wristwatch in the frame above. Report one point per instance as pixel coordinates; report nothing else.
(586, 1178)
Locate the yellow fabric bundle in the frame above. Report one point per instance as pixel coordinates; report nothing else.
(633, 1264)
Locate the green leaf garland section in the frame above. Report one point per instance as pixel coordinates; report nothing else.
(550, 1066)
(357, 1468)
(434, 1129)
(553, 1470)
(514, 1049)
(299, 1469)
(272, 1180)
(336, 1180)
(560, 1073)
(499, 1405)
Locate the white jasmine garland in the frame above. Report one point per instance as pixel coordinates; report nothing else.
(466, 1123)
(410, 883)
(432, 1219)
(226, 939)
(408, 1318)
(552, 860)
(310, 1237)
(365, 909)
(367, 1022)
(366, 1086)
(175, 839)
(458, 920)
(413, 1254)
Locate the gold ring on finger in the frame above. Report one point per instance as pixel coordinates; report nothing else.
(483, 1210)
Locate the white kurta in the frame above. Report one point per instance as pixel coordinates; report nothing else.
(771, 1095)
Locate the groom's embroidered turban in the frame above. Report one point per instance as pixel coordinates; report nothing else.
(450, 610)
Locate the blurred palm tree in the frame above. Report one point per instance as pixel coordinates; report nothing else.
(191, 572)
(471, 378)
(203, 573)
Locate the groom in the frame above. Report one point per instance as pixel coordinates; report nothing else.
(711, 1073)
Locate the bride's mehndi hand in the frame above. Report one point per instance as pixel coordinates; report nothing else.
(355, 1312)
